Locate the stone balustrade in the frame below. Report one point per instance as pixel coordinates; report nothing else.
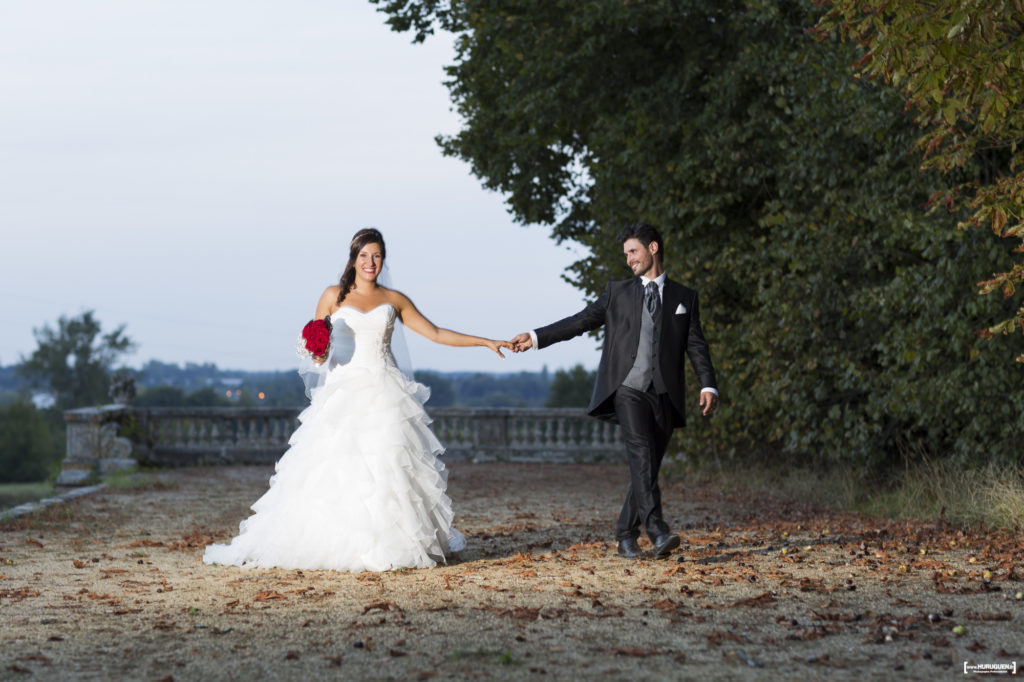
(118, 437)
(185, 436)
(525, 434)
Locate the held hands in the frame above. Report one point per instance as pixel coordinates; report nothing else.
(496, 346)
(517, 344)
(521, 342)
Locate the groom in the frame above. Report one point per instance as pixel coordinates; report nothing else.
(650, 321)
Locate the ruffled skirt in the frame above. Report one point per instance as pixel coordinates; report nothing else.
(360, 487)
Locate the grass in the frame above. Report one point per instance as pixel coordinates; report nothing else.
(130, 480)
(991, 495)
(13, 494)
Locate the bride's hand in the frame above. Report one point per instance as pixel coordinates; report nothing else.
(496, 346)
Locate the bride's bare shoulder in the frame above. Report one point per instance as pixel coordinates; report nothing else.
(328, 302)
(396, 298)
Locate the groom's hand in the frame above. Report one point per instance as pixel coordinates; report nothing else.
(522, 342)
(708, 402)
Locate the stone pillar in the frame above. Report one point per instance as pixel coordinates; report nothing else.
(93, 446)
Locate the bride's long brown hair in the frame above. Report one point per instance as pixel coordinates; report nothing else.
(360, 239)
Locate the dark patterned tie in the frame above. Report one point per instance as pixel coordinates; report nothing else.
(651, 299)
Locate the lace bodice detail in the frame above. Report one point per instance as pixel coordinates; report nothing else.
(364, 339)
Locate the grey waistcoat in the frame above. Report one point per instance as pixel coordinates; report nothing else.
(644, 370)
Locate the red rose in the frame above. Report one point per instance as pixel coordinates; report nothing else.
(317, 334)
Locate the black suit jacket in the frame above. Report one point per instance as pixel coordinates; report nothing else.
(618, 309)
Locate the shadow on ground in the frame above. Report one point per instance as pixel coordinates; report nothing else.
(112, 586)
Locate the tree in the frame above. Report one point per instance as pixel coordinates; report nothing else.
(571, 388)
(787, 195)
(961, 68)
(28, 451)
(160, 396)
(442, 391)
(74, 360)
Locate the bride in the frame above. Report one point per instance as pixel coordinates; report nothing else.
(361, 487)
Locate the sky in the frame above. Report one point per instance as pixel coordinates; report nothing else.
(195, 170)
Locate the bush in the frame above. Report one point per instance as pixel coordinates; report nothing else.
(29, 448)
(571, 388)
(160, 396)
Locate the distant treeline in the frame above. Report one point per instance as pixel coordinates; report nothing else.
(162, 384)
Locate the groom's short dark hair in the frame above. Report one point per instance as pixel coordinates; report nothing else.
(645, 234)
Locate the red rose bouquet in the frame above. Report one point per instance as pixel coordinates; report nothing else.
(316, 338)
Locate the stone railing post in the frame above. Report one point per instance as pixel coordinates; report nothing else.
(94, 447)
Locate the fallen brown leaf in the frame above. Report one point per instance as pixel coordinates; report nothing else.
(761, 600)
(270, 595)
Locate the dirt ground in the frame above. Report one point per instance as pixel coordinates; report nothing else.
(112, 586)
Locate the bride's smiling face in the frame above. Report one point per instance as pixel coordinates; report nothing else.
(369, 262)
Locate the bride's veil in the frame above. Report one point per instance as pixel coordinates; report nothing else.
(399, 347)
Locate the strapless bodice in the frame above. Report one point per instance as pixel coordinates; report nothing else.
(368, 333)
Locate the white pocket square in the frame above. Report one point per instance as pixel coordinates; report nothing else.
(681, 310)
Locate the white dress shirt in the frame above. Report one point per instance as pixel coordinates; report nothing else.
(660, 281)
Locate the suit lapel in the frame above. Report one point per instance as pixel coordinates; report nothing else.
(668, 298)
(669, 303)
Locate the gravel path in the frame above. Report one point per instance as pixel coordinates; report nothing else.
(111, 586)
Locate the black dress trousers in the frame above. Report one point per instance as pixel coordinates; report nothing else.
(644, 418)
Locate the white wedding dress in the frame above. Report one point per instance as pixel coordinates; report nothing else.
(360, 487)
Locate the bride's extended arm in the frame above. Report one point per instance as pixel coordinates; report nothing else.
(414, 320)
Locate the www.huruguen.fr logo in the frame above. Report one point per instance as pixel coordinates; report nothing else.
(990, 668)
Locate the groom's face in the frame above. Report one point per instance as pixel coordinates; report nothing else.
(639, 258)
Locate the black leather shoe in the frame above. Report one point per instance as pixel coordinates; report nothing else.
(630, 550)
(664, 544)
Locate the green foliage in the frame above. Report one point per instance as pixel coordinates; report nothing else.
(839, 312)
(442, 391)
(160, 396)
(10, 384)
(172, 396)
(571, 388)
(28, 449)
(280, 389)
(74, 361)
(961, 67)
(208, 397)
(13, 494)
(521, 389)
